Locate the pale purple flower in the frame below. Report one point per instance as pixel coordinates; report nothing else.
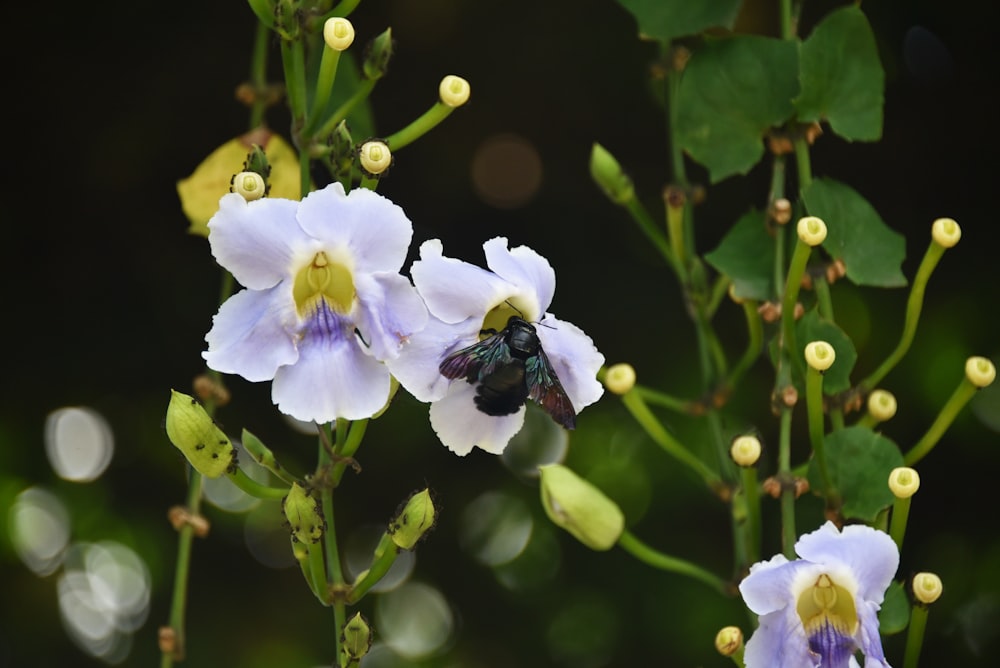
(819, 610)
(464, 299)
(324, 305)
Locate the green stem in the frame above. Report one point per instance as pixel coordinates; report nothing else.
(897, 522)
(956, 402)
(814, 406)
(351, 444)
(369, 182)
(363, 91)
(649, 395)
(797, 267)
(754, 527)
(345, 7)
(324, 86)
(915, 635)
(178, 601)
(258, 74)
(334, 572)
(316, 566)
(254, 488)
(421, 126)
(788, 535)
(293, 62)
(652, 232)
(644, 553)
(675, 232)
(803, 164)
(755, 330)
(385, 556)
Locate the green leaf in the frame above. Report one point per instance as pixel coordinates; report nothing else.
(856, 234)
(731, 93)
(842, 78)
(895, 613)
(666, 19)
(811, 327)
(746, 256)
(859, 462)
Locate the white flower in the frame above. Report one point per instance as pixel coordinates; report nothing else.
(464, 300)
(324, 304)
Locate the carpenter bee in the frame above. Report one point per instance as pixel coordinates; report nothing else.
(511, 367)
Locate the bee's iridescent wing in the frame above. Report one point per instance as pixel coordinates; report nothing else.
(545, 389)
(475, 362)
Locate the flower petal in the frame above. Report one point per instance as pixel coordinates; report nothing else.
(418, 366)
(779, 642)
(770, 584)
(574, 358)
(461, 426)
(251, 334)
(333, 377)
(871, 555)
(375, 231)
(455, 290)
(868, 635)
(529, 271)
(390, 311)
(256, 241)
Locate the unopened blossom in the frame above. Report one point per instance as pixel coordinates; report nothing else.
(324, 304)
(464, 301)
(819, 610)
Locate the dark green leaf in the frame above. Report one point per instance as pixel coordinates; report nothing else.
(859, 462)
(732, 92)
(842, 77)
(811, 327)
(895, 613)
(856, 234)
(666, 19)
(746, 256)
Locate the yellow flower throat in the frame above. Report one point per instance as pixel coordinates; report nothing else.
(324, 280)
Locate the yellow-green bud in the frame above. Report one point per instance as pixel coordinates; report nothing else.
(248, 184)
(904, 482)
(811, 230)
(375, 157)
(580, 508)
(882, 405)
(946, 232)
(412, 523)
(745, 450)
(820, 355)
(192, 431)
(729, 640)
(338, 33)
(619, 378)
(377, 55)
(454, 91)
(356, 639)
(304, 515)
(927, 587)
(608, 174)
(980, 371)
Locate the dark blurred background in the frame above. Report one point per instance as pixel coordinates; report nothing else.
(108, 300)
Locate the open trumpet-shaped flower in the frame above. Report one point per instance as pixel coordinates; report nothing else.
(466, 302)
(324, 304)
(817, 611)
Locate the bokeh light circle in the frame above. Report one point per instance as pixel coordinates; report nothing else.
(78, 443)
(414, 620)
(495, 527)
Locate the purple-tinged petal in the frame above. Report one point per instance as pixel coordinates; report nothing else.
(779, 642)
(370, 227)
(333, 377)
(253, 334)
(529, 271)
(257, 241)
(417, 368)
(574, 358)
(461, 426)
(868, 636)
(871, 555)
(389, 312)
(455, 290)
(771, 584)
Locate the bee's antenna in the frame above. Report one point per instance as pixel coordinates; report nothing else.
(507, 301)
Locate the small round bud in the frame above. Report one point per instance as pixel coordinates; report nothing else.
(882, 405)
(980, 371)
(580, 508)
(729, 640)
(811, 230)
(745, 450)
(454, 91)
(608, 174)
(249, 184)
(620, 378)
(820, 355)
(375, 157)
(904, 482)
(946, 232)
(338, 33)
(927, 587)
(781, 211)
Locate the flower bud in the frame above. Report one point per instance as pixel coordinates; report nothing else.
(248, 184)
(820, 355)
(927, 587)
(729, 640)
(781, 211)
(454, 91)
(980, 371)
(304, 516)
(192, 431)
(882, 405)
(904, 482)
(338, 33)
(946, 232)
(745, 450)
(580, 508)
(377, 55)
(375, 157)
(356, 639)
(412, 523)
(620, 378)
(608, 174)
(811, 230)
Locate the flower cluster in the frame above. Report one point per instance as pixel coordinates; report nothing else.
(328, 317)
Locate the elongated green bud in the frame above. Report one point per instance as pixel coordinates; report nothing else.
(412, 523)
(192, 431)
(304, 515)
(580, 508)
(356, 639)
(377, 55)
(608, 174)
